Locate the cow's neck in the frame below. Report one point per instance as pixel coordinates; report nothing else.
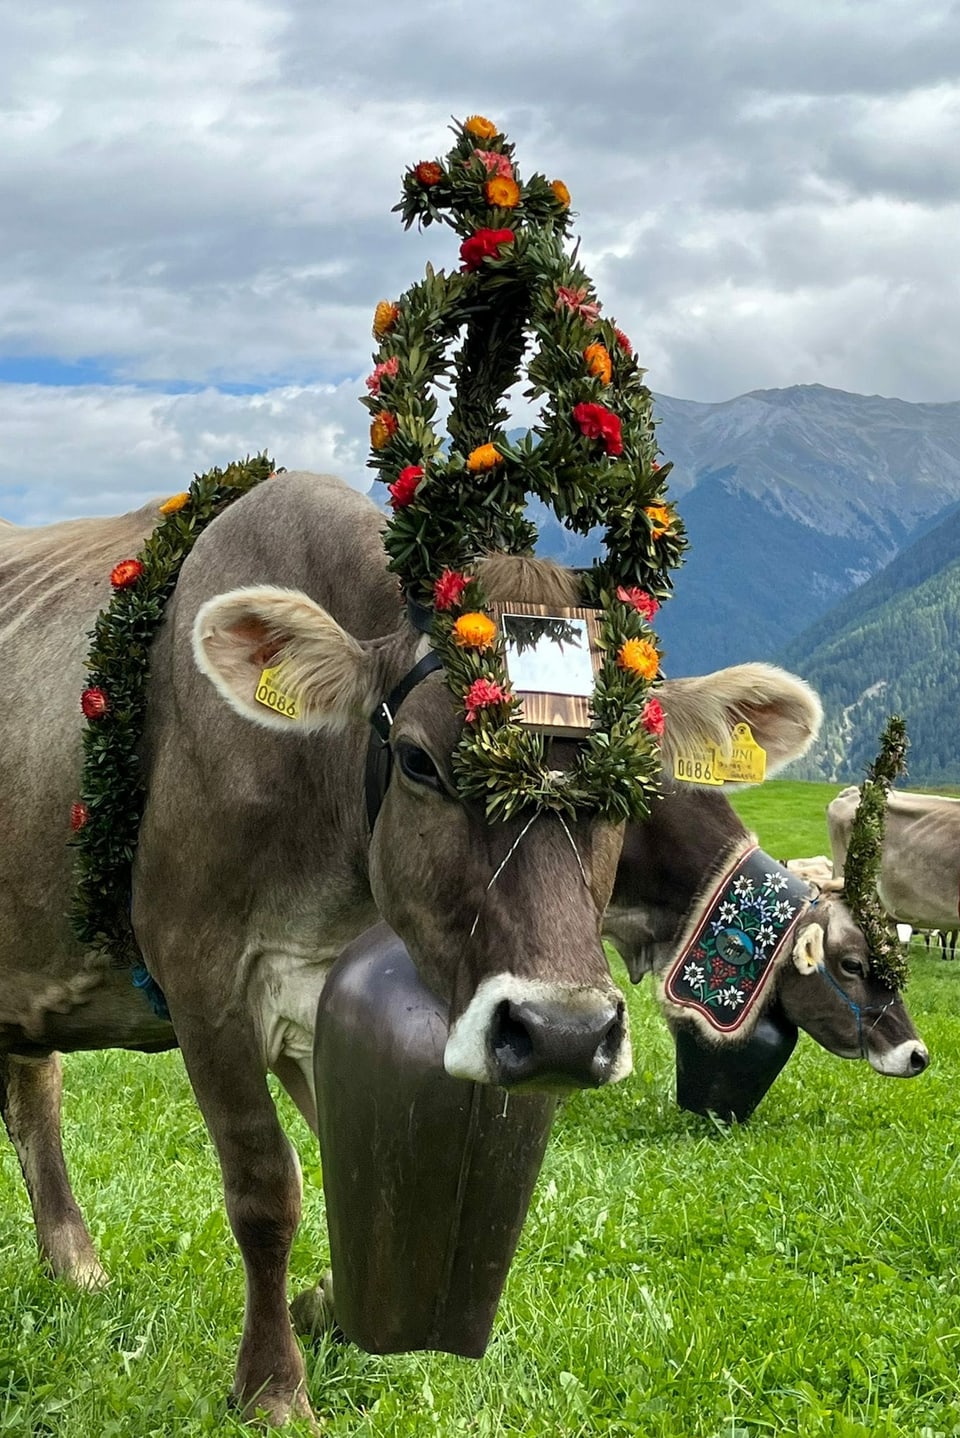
(667, 868)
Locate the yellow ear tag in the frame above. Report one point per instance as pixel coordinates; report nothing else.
(746, 762)
(697, 766)
(272, 696)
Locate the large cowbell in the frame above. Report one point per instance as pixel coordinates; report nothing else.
(427, 1178)
(729, 1080)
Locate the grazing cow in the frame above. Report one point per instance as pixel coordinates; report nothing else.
(255, 863)
(824, 985)
(919, 880)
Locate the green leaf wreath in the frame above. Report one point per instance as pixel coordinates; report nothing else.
(106, 817)
(521, 302)
(861, 868)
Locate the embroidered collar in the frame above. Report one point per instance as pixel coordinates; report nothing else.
(730, 954)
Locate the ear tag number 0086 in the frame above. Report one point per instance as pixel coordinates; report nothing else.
(271, 695)
(745, 764)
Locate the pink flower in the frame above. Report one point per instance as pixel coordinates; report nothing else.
(387, 369)
(483, 694)
(653, 718)
(598, 422)
(495, 164)
(448, 588)
(576, 300)
(623, 342)
(639, 600)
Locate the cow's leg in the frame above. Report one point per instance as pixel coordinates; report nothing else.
(261, 1182)
(30, 1092)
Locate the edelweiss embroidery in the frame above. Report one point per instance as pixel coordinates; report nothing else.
(727, 963)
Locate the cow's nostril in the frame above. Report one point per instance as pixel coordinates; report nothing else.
(512, 1044)
(919, 1059)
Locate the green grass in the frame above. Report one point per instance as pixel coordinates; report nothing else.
(797, 1276)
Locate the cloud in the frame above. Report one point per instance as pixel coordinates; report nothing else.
(197, 195)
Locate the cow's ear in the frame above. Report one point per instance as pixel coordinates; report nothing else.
(783, 712)
(808, 950)
(319, 675)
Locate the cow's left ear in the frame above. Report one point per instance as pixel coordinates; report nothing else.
(808, 950)
(320, 676)
(782, 710)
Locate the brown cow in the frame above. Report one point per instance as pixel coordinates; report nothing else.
(255, 864)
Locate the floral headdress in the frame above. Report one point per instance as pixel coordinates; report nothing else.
(864, 854)
(521, 302)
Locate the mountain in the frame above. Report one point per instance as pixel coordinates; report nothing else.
(891, 647)
(792, 498)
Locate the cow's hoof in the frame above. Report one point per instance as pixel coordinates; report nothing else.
(312, 1312)
(273, 1408)
(75, 1262)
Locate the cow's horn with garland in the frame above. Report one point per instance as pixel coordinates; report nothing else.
(521, 306)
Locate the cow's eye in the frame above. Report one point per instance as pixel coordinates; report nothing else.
(852, 967)
(418, 766)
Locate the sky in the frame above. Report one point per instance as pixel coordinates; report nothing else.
(195, 209)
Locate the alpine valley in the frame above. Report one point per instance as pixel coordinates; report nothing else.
(824, 534)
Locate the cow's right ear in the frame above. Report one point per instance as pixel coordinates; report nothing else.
(323, 676)
(808, 951)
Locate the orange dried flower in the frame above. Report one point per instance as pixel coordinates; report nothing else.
(660, 519)
(428, 172)
(560, 193)
(639, 656)
(484, 457)
(385, 316)
(503, 193)
(383, 428)
(175, 503)
(474, 631)
(480, 127)
(599, 363)
(127, 572)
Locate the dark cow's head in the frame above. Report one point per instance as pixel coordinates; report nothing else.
(502, 920)
(829, 988)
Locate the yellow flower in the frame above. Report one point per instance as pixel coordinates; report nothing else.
(560, 193)
(660, 519)
(175, 503)
(474, 631)
(385, 316)
(598, 362)
(480, 127)
(383, 428)
(503, 193)
(639, 656)
(486, 456)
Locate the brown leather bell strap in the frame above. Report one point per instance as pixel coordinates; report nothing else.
(379, 753)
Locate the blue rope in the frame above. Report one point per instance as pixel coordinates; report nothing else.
(858, 1012)
(151, 990)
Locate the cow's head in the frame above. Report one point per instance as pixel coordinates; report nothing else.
(502, 920)
(830, 990)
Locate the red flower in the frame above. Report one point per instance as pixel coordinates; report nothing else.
(127, 572)
(653, 718)
(623, 342)
(428, 172)
(483, 245)
(405, 486)
(94, 703)
(639, 600)
(79, 814)
(483, 694)
(448, 588)
(598, 422)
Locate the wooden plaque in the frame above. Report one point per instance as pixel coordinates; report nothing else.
(553, 657)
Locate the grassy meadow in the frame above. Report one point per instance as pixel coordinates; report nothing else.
(796, 1276)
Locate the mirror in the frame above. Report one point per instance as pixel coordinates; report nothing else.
(548, 654)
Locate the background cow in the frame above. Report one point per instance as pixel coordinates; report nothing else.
(919, 880)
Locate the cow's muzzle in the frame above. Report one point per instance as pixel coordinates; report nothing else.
(515, 1032)
(904, 1060)
(543, 1042)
